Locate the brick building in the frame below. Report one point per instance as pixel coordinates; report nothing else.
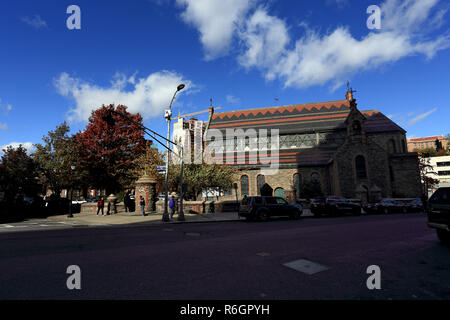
(351, 153)
(426, 142)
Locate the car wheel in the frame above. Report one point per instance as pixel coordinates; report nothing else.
(404, 210)
(386, 210)
(444, 236)
(263, 215)
(357, 211)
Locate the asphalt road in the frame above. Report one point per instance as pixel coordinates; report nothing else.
(231, 260)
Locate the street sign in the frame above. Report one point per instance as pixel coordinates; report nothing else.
(161, 168)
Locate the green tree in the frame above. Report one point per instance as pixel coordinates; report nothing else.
(147, 163)
(425, 170)
(18, 173)
(427, 152)
(200, 176)
(55, 156)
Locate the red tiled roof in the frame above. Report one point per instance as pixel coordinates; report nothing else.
(425, 139)
(281, 109)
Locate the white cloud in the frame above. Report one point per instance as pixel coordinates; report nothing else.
(36, 22)
(319, 59)
(265, 38)
(316, 58)
(232, 99)
(421, 117)
(216, 20)
(5, 108)
(27, 145)
(149, 96)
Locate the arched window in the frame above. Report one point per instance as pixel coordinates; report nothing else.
(244, 186)
(297, 182)
(260, 180)
(360, 164)
(279, 192)
(356, 127)
(391, 146)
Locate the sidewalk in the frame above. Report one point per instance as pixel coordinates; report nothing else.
(122, 218)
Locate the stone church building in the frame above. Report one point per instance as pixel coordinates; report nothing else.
(351, 153)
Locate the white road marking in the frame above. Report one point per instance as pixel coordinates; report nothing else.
(305, 266)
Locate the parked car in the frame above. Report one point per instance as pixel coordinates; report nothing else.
(78, 201)
(262, 208)
(415, 205)
(334, 205)
(438, 212)
(386, 206)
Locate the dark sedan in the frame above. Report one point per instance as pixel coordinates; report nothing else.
(262, 208)
(387, 206)
(334, 205)
(415, 205)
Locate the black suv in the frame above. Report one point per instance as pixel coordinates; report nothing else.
(334, 205)
(262, 208)
(438, 211)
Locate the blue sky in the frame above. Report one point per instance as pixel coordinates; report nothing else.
(242, 53)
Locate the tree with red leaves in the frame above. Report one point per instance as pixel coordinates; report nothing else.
(109, 150)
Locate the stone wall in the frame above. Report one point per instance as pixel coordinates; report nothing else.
(91, 207)
(199, 207)
(377, 169)
(382, 140)
(406, 176)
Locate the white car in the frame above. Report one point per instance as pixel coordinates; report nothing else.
(78, 201)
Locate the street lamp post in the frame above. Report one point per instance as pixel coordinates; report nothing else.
(72, 168)
(168, 115)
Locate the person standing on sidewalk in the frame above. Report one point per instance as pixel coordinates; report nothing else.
(100, 206)
(126, 200)
(172, 206)
(142, 203)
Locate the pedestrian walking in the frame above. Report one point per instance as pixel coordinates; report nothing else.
(172, 206)
(142, 203)
(100, 206)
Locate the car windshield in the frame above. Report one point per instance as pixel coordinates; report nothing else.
(441, 196)
(281, 201)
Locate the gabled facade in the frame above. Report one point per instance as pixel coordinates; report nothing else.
(352, 153)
